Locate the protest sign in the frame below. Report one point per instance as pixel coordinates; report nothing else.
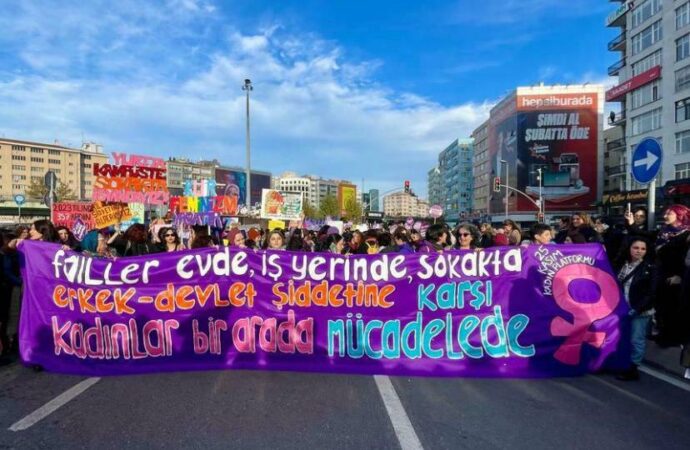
(273, 224)
(107, 214)
(66, 214)
(281, 205)
(138, 212)
(132, 179)
(502, 312)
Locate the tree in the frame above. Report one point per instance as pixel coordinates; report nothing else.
(37, 190)
(353, 211)
(329, 207)
(310, 212)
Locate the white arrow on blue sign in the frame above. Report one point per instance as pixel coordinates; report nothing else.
(646, 160)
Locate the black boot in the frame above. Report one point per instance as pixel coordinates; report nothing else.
(632, 374)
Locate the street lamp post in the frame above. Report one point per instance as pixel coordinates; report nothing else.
(248, 194)
(542, 206)
(503, 161)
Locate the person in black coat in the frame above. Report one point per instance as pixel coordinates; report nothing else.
(637, 277)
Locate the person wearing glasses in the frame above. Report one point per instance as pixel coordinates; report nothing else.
(170, 241)
(467, 237)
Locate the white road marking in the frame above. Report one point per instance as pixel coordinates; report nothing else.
(396, 412)
(53, 405)
(663, 377)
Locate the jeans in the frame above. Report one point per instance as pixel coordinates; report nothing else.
(638, 337)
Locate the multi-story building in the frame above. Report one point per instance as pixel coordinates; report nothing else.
(315, 188)
(545, 144)
(615, 164)
(291, 182)
(374, 203)
(455, 167)
(23, 161)
(481, 171)
(401, 204)
(434, 186)
(181, 169)
(653, 70)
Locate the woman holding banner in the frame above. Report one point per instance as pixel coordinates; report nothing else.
(170, 241)
(95, 244)
(275, 240)
(67, 238)
(41, 230)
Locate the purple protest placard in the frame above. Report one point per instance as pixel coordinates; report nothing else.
(501, 312)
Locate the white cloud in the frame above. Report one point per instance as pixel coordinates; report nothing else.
(158, 82)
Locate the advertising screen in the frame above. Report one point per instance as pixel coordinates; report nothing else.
(234, 183)
(558, 134)
(502, 136)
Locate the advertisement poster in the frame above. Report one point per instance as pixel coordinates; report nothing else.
(503, 147)
(346, 193)
(281, 205)
(233, 183)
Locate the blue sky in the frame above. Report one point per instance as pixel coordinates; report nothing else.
(343, 89)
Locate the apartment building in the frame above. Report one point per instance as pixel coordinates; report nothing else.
(24, 161)
(652, 48)
(401, 204)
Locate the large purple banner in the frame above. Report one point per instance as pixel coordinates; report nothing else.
(501, 312)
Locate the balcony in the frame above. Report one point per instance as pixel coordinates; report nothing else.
(618, 144)
(615, 68)
(616, 118)
(617, 18)
(613, 171)
(618, 43)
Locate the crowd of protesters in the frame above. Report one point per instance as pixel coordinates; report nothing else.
(653, 267)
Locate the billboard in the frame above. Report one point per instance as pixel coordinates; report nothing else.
(233, 182)
(346, 193)
(557, 133)
(502, 143)
(281, 205)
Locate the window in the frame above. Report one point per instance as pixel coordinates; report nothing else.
(36, 150)
(646, 122)
(18, 148)
(682, 78)
(646, 63)
(683, 47)
(54, 161)
(37, 160)
(16, 187)
(54, 152)
(20, 168)
(683, 110)
(644, 11)
(21, 177)
(646, 94)
(18, 158)
(646, 38)
(682, 15)
(682, 171)
(683, 142)
(37, 169)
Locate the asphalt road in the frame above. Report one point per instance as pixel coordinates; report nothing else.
(248, 409)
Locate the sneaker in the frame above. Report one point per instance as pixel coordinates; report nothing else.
(632, 374)
(686, 375)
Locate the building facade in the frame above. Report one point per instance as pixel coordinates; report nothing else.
(481, 171)
(24, 161)
(652, 48)
(181, 169)
(401, 204)
(455, 167)
(374, 203)
(434, 188)
(545, 143)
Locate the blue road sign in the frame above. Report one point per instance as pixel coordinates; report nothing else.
(646, 160)
(19, 199)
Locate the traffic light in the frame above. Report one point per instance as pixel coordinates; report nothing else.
(497, 184)
(407, 187)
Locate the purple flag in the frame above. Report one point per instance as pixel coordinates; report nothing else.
(501, 312)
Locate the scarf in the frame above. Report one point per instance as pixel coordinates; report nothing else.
(668, 232)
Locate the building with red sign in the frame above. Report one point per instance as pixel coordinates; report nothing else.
(652, 47)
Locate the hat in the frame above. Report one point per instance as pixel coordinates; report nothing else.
(253, 234)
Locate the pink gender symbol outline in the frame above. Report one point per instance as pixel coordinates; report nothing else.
(584, 314)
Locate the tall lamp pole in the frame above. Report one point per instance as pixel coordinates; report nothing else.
(503, 161)
(542, 206)
(248, 194)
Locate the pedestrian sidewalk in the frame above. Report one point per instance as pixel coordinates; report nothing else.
(665, 359)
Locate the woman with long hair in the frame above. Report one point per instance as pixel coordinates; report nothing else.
(199, 237)
(637, 277)
(169, 239)
(41, 230)
(236, 238)
(487, 235)
(671, 249)
(133, 242)
(581, 230)
(66, 237)
(513, 232)
(95, 244)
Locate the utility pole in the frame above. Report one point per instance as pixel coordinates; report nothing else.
(248, 194)
(503, 161)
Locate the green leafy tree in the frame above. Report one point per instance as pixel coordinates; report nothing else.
(353, 211)
(310, 212)
(329, 207)
(37, 190)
